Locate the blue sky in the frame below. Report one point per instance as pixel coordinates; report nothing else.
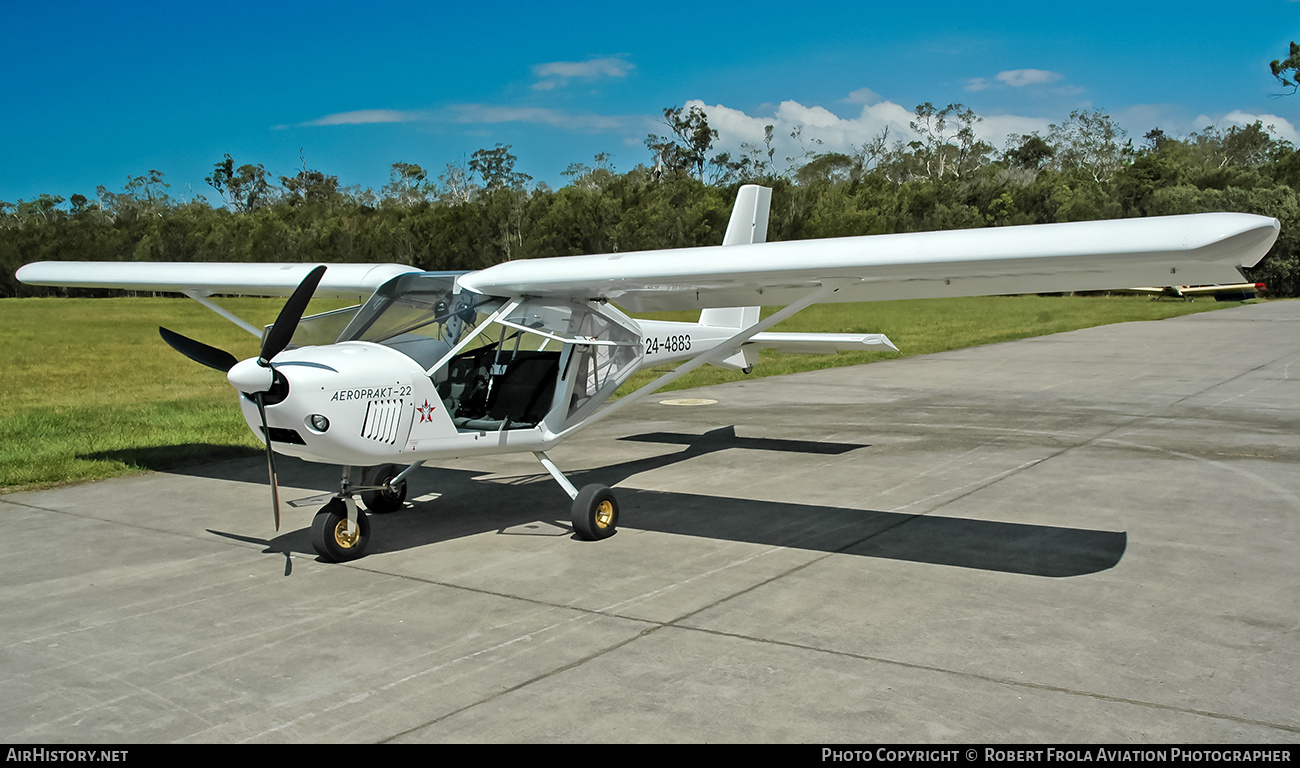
(96, 92)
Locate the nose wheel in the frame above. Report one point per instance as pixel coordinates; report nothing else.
(334, 537)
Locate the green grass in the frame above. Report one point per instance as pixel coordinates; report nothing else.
(90, 390)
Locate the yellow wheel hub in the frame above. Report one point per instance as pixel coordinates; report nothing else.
(343, 538)
(604, 514)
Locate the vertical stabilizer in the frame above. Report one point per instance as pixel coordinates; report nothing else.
(748, 225)
(749, 217)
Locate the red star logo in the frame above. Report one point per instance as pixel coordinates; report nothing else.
(426, 412)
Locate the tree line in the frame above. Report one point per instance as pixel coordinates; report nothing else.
(484, 211)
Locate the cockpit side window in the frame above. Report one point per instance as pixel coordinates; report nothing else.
(597, 368)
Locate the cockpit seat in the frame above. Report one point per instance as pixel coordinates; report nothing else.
(521, 396)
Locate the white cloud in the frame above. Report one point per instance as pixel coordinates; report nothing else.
(557, 73)
(1141, 118)
(820, 129)
(580, 123)
(1017, 78)
(1278, 127)
(466, 114)
(1014, 78)
(366, 116)
(612, 67)
(863, 96)
(838, 134)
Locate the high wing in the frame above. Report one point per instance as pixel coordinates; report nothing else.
(206, 279)
(1078, 256)
(1192, 249)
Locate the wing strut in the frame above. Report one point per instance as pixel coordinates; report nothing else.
(203, 299)
(722, 350)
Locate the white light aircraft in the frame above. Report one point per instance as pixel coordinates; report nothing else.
(1233, 292)
(521, 355)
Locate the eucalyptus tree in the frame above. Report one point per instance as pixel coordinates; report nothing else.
(1090, 142)
(687, 148)
(407, 185)
(243, 189)
(1287, 71)
(946, 140)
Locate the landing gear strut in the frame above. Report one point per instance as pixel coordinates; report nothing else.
(595, 510)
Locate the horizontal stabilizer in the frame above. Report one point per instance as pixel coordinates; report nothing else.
(822, 343)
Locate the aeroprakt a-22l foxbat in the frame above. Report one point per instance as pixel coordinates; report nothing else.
(521, 355)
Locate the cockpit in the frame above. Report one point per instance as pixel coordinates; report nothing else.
(495, 363)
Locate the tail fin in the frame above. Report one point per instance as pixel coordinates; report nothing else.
(748, 225)
(749, 216)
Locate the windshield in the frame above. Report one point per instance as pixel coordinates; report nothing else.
(421, 314)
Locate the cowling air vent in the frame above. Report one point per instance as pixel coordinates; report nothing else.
(382, 420)
(282, 435)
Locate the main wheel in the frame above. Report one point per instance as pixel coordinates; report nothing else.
(595, 513)
(330, 537)
(384, 499)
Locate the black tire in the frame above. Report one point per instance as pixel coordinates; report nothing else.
(595, 513)
(329, 533)
(383, 501)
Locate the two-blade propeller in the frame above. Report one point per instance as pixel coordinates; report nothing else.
(198, 351)
(255, 377)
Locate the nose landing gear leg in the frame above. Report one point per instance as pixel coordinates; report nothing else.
(341, 531)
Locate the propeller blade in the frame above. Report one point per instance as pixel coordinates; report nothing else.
(270, 461)
(198, 351)
(282, 331)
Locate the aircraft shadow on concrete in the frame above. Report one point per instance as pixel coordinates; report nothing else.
(168, 458)
(534, 505)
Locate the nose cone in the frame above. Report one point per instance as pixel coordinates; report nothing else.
(248, 376)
